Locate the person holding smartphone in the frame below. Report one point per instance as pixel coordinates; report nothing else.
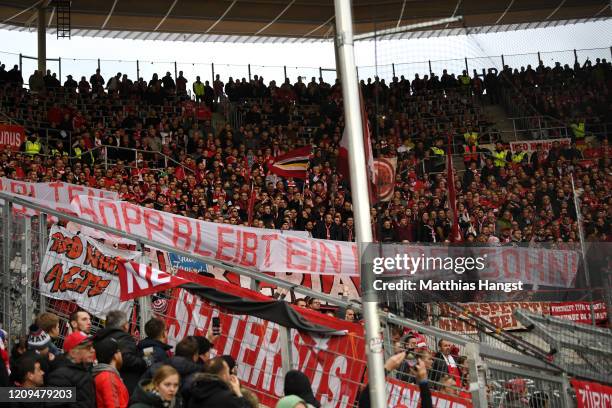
(418, 371)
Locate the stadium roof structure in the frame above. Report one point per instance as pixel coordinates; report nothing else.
(294, 20)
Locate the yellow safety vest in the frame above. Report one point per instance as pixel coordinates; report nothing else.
(465, 80)
(518, 157)
(198, 88)
(55, 152)
(437, 151)
(32, 147)
(499, 158)
(78, 152)
(578, 130)
(471, 136)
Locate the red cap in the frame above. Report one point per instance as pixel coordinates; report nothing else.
(75, 339)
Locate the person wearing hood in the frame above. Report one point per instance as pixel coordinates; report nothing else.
(291, 401)
(216, 387)
(296, 383)
(185, 361)
(134, 364)
(110, 389)
(161, 391)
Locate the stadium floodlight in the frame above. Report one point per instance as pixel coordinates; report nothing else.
(403, 29)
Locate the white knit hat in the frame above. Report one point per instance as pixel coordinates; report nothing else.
(38, 339)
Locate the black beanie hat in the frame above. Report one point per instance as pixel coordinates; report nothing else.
(296, 383)
(105, 349)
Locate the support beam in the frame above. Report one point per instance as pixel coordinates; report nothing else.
(403, 29)
(42, 40)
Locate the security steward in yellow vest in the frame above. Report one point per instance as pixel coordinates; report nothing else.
(519, 156)
(437, 156)
(500, 156)
(58, 150)
(33, 145)
(198, 89)
(579, 130)
(471, 135)
(465, 81)
(80, 152)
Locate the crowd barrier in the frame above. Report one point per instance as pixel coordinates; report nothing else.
(59, 268)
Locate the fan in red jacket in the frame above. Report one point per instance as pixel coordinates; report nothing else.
(110, 390)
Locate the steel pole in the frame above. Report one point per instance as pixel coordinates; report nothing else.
(587, 277)
(7, 209)
(42, 39)
(361, 200)
(26, 275)
(42, 250)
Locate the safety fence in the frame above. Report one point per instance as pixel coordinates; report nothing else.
(78, 67)
(60, 270)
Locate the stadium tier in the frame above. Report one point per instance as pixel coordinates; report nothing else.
(177, 242)
(194, 160)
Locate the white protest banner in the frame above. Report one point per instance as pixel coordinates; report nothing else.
(81, 270)
(254, 247)
(243, 246)
(531, 146)
(56, 195)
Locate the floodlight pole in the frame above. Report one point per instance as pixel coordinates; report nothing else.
(587, 277)
(360, 195)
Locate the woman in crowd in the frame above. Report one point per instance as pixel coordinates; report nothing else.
(159, 392)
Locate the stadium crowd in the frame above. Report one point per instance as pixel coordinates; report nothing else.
(213, 170)
(110, 368)
(222, 174)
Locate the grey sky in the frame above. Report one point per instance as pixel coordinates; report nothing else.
(268, 59)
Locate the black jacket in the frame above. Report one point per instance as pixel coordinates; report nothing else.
(134, 364)
(211, 392)
(71, 374)
(187, 370)
(160, 350)
(146, 399)
(426, 402)
(439, 368)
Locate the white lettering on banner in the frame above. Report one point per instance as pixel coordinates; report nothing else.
(79, 269)
(401, 393)
(531, 146)
(56, 195)
(592, 395)
(243, 246)
(253, 248)
(11, 136)
(334, 365)
(139, 280)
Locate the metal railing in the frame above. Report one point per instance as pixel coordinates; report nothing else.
(136, 68)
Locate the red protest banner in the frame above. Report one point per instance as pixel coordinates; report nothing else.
(138, 280)
(11, 137)
(334, 364)
(592, 395)
(579, 312)
(405, 394)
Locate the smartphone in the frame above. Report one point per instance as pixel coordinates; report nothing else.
(411, 359)
(216, 326)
